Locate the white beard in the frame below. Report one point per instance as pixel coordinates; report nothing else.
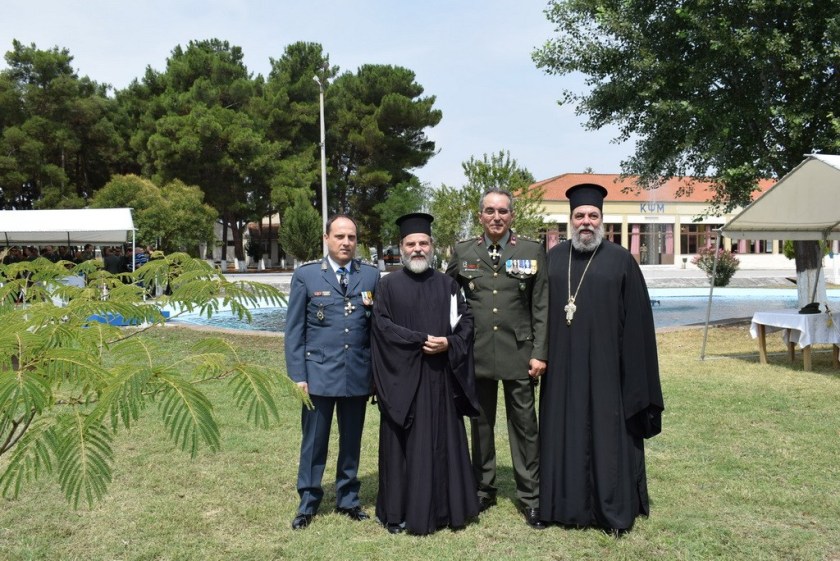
(586, 245)
(416, 266)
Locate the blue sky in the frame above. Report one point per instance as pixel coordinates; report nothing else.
(473, 55)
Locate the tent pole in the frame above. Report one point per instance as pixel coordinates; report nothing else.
(711, 291)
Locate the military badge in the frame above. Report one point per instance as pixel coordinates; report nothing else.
(348, 307)
(367, 298)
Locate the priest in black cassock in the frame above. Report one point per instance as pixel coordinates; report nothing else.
(422, 337)
(601, 395)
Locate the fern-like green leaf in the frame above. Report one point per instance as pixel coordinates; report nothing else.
(84, 458)
(123, 399)
(255, 388)
(31, 457)
(187, 414)
(21, 394)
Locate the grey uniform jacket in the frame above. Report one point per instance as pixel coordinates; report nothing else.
(327, 338)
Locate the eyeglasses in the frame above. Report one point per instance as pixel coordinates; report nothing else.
(489, 211)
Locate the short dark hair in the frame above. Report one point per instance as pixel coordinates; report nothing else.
(335, 217)
(497, 191)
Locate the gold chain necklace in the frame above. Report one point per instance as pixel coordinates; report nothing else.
(570, 308)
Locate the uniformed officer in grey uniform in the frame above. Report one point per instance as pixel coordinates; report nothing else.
(327, 343)
(504, 280)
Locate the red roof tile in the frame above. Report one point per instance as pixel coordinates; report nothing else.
(555, 187)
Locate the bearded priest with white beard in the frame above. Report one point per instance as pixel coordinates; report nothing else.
(422, 341)
(601, 394)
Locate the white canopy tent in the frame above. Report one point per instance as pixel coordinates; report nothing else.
(67, 227)
(803, 205)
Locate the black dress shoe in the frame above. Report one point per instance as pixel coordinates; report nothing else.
(301, 521)
(354, 513)
(532, 518)
(485, 502)
(395, 528)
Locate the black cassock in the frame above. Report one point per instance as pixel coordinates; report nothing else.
(601, 395)
(425, 476)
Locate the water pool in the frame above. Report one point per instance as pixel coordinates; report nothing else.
(262, 319)
(687, 306)
(671, 307)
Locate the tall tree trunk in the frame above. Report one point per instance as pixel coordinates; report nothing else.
(809, 273)
(237, 227)
(224, 237)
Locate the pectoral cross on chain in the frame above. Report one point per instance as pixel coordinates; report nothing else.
(570, 311)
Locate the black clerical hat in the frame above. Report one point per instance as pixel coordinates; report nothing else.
(415, 223)
(586, 194)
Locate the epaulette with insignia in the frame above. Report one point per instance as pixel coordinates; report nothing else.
(310, 262)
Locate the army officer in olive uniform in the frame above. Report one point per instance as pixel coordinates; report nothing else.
(505, 283)
(327, 343)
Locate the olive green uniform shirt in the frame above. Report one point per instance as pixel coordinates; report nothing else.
(509, 304)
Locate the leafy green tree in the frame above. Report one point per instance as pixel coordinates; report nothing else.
(138, 194)
(732, 92)
(58, 141)
(172, 218)
(377, 119)
(69, 384)
(408, 196)
(502, 171)
(198, 122)
(291, 110)
(451, 212)
(186, 220)
(300, 232)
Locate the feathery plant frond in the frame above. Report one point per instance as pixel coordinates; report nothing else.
(31, 457)
(69, 379)
(133, 352)
(23, 395)
(124, 398)
(75, 367)
(254, 388)
(84, 458)
(187, 414)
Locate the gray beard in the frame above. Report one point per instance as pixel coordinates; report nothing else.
(416, 266)
(587, 245)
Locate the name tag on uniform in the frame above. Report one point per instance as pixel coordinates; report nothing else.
(321, 293)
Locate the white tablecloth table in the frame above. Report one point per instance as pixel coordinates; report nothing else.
(802, 329)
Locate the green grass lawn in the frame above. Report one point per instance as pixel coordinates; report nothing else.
(747, 467)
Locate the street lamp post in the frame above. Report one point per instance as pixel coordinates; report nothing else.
(323, 167)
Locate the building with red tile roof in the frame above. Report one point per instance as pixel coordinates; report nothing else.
(664, 226)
